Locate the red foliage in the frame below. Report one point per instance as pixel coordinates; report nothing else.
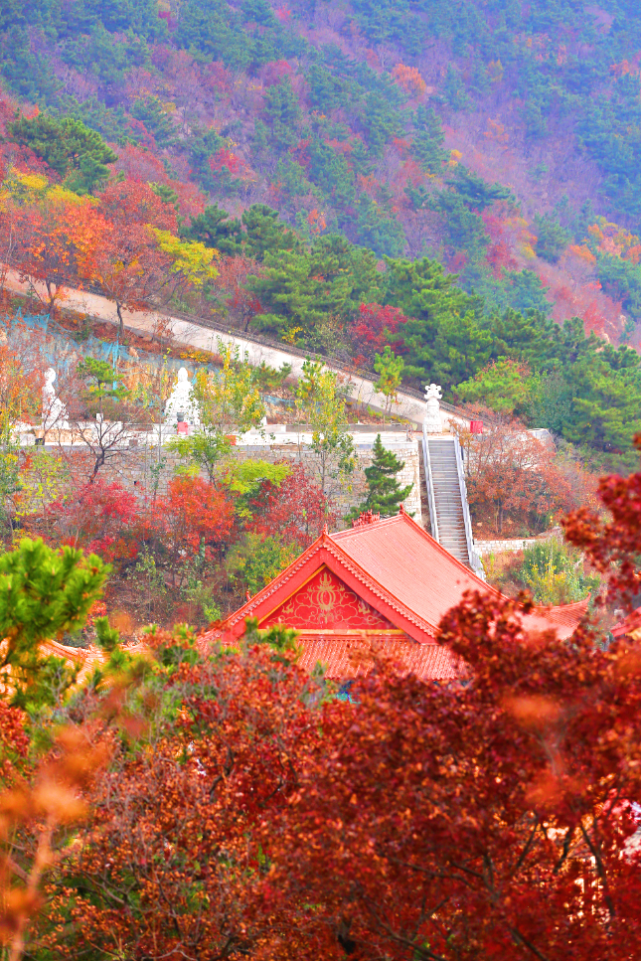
(232, 277)
(612, 542)
(276, 71)
(171, 22)
(216, 76)
(499, 258)
(344, 147)
(14, 741)
(284, 14)
(401, 145)
(491, 819)
(176, 826)
(140, 165)
(192, 512)
(297, 509)
(512, 473)
(300, 153)
(494, 221)
(131, 269)
(100, 517)
(58, 242)
(410, 79)
(457, 262)
(224, 159)
(376, 326)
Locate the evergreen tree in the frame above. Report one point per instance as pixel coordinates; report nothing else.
(427, 143)
(384, 494)
(215, 228)
(70, 148)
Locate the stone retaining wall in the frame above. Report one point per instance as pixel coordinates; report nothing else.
(144, 468)
(485, 548)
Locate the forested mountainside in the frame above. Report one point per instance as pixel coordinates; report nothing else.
(458, 180)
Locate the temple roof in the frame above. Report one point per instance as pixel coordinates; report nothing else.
(400, 571)
(410, 565)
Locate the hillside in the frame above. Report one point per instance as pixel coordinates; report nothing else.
(441, 164)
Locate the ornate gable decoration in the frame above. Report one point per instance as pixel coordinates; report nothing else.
(325, 602)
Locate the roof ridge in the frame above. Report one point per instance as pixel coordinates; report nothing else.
(404, 517)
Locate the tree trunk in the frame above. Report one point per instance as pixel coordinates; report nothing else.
(121, 323)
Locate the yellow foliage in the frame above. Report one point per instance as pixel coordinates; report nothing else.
(191, 259)
(455, 156)
(289, 336)
(62, 196)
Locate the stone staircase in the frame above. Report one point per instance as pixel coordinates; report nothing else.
(447, 499)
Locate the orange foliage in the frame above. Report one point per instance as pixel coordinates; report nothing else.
(316, 221)
(496, 132)
(409, 79)
(583, 253)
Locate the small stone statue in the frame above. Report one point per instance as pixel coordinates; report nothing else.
(54, 412)
(182, 402)
(433, 423)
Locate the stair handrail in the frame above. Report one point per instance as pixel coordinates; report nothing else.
(474, 559)
(430, 486)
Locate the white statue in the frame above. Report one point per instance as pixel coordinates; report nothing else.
(54, 412)
(433, 423)
(182, 401)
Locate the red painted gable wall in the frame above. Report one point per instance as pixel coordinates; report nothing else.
(325, 602)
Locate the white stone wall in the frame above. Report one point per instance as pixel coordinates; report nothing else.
(485, 548)
(134, 468)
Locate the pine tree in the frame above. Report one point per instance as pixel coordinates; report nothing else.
(384, 494)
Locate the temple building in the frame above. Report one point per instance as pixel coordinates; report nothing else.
(382, 585)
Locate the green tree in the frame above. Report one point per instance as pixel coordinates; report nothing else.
(384, 493)
(257, 559)
(245, 478)
(427, 142)
(202, 451)
(230, 399)
(283, 110)
(266, 233)
(320, 403)
(71, 149)
(102, 394)
(606, 405)
(555, 574)
(551, 238)
(444, 338)
(43, 594)
(390, 369)
(454, 90)
(158, 122)
(506, 386)
(461, 228)
(215, 228)
(475, 192)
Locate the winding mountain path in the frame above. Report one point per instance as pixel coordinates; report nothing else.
(205, 334)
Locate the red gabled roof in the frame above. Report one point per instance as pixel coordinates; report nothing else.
(372, 577)
(414, 568)
(403, 573)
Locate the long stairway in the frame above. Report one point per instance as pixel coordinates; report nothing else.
(447, 498)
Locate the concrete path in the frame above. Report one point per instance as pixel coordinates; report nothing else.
(191, 334)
